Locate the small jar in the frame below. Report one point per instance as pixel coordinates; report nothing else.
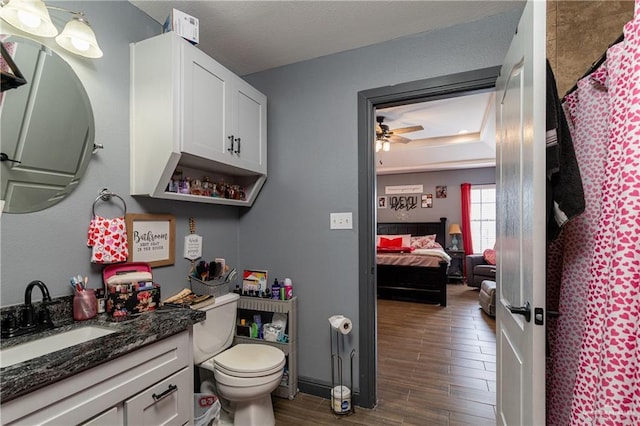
(85, 305)
(207, 186)
(196, 187)
(185, 185)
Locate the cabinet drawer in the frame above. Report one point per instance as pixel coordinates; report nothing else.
(111, 417)
(166, 403)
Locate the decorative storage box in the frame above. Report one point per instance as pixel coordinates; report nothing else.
(130, 289)
(211, 288)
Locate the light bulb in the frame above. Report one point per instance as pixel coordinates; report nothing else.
(81, 45)
(378, 146)
(386, 146)
(29, 19)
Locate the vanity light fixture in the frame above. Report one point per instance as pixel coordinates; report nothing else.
(32, 16)
(78, 37)
(29, 16)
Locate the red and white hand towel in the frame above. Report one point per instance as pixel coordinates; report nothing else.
(108, 239)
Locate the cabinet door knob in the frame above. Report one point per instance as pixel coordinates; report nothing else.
(232, 139)
(238, 150)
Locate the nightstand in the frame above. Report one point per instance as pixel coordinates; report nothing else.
(455, 271)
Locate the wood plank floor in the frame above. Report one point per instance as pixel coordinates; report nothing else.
(436, 366)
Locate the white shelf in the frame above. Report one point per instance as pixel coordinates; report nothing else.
(288, 307)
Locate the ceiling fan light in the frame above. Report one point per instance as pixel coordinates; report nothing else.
(30, 16)
(386, 146)
(78, 37)
(378, 145)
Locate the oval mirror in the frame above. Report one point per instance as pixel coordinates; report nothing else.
(47, 129)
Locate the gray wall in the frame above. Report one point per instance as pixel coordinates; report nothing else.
(312, 172)
(50, 245)
(313, 167)
(442, 207)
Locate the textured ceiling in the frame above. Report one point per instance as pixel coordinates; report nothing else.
(252, 36)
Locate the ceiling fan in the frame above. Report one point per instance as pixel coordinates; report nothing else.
(384, 135)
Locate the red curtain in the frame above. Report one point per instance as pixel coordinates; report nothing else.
(465, 204)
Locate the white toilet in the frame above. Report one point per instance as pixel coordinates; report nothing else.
(245, 374)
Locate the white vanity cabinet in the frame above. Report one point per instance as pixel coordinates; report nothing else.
(189, 112)
(149, 386)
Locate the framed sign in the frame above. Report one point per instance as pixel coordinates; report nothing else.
(151, 238)
(427, 201)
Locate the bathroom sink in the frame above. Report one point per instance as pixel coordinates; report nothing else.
(49, 344)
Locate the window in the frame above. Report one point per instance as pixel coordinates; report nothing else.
(483, 217)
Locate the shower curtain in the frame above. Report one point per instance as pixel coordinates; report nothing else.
(595, 355)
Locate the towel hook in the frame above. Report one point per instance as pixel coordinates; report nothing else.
(105, 195)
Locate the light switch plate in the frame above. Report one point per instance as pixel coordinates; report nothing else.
(341, 221)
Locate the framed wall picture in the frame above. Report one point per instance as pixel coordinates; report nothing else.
(427, 201)
(382, 202)
(441, 191)
(151, 238)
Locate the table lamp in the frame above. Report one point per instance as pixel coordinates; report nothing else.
(454, 231)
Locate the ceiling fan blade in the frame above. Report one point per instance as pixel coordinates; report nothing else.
(402, 130)
(400, 139)
(378, 128)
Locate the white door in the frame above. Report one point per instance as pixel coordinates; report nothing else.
(520, 157)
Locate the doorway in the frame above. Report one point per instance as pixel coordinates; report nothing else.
(417, 91)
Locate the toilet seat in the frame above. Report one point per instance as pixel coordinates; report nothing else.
(249, 360)
(246, 382)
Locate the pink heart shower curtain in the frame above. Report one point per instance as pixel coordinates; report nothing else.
(594, 350)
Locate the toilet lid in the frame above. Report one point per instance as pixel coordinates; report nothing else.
(248, 358)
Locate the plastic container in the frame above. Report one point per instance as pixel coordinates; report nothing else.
(341, 400)
(206, 409)
(275, 290)
(288, 289)
(85, 305)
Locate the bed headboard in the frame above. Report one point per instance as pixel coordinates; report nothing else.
(416, 229)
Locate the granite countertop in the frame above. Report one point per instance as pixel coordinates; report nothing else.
(133, 333)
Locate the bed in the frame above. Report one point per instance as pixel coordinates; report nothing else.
(399, 276)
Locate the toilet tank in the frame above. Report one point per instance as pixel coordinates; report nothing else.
(215, 333)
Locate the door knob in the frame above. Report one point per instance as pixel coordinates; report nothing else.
(525, 310)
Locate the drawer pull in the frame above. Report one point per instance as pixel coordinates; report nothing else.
(170, 390)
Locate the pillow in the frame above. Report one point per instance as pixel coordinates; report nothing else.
(433, 245)
(390, 242)
(406, 239)
(489, 256)
(423, 241)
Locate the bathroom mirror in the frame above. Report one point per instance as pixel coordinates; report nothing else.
(46, 126)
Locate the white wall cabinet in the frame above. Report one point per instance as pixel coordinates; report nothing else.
(190, 112)
(150, 386)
